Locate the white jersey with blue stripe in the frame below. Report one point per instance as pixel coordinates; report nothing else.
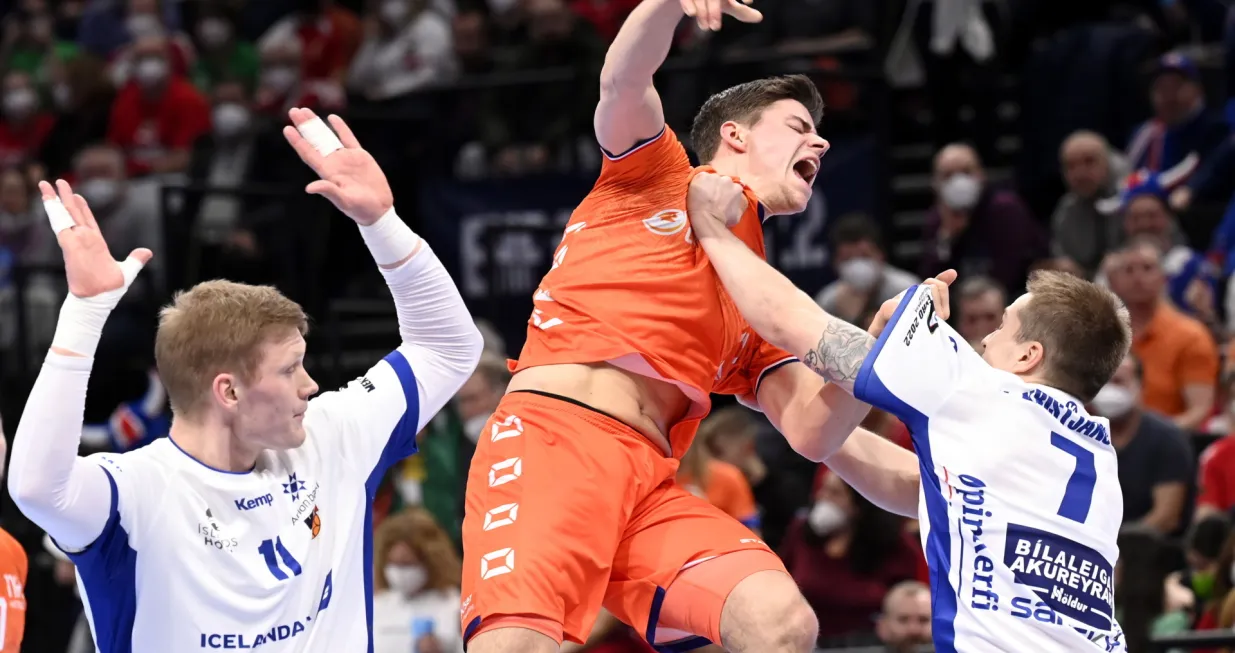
(1020, 503)
(277, 559)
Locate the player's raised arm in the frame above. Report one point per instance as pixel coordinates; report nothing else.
(441, 344)
(629, 110)
(67, 496)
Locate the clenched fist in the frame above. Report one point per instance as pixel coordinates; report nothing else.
(715, 199)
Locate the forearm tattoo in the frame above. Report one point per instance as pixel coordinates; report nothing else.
(840, 352)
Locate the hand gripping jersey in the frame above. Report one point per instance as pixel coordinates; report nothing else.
(276, 559)
(1020, 503)
(629, 285)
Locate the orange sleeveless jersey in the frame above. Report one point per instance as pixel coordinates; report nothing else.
(630, 285)
(13, 565)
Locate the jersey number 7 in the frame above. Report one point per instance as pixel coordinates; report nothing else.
(1078, 496)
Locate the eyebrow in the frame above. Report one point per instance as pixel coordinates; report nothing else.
(802, 124)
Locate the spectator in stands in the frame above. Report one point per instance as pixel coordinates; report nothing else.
(25, 124)
(157, 116)
(1155, 458)
(223, 55)
(605, 16)
(146, 22)
(1182, 124)
(977, 229)
(1178, 354)
(327, 34)
(225, 158)
(1216, 479)
(281, 85)
(1092, 171)
(904, 624)
(730, 435)
(1192, 280)
(545, 133)
(1142, 604)
(1203, 548)
(980, 306)
(478, 397)
(722, 484)
(469, 36)
(30, 44)
(83, 98)
(108, 25)
(21, 225)
(407, 47)
(127, 211)
(845, 555)
(416, 575)
(864, 278)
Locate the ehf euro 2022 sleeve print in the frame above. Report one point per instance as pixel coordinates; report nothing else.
(372, 419)
(914, 366)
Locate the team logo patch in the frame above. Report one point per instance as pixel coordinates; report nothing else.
(314, 522)
(293, 486)
(666, 223)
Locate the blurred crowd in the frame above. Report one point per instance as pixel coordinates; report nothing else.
(1125, 174)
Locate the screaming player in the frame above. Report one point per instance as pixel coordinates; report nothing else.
(1020, 502)
(571, 500)
(250, 525)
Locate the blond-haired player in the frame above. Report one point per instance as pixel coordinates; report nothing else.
(249, 526)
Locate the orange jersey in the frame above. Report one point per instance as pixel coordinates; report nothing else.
(13, 564)
(629, 285)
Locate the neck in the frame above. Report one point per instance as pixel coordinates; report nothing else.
(1124, 429)
(732, 165)
(1141, 313)
(211, 442)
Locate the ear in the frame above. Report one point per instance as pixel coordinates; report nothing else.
(1031, 358)
(226, 390)
(734, 135)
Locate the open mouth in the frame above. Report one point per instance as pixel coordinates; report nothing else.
(806, 169)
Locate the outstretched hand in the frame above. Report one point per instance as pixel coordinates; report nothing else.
(350, 177)
(708, 13)
(939, 293)
(88, 264)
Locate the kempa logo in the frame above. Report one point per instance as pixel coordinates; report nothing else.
(249, 504)
(666, 223)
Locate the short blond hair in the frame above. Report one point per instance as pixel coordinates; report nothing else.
(215, 327)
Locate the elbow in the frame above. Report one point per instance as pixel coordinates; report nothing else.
(474, 345)
(25, 495)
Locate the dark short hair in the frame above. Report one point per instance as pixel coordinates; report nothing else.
(855, 228)
(745, 103)
(1083, 327)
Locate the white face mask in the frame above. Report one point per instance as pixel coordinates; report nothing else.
(474, 426)
(230, 119)
(825, 517)
(1113, 402)
(394, 11)
(19, 103)
(151, 71)
(213, 32)
(100, 193)
(407, 579)
(140, 25)
(960, 192)
(279, 79)
(861, 273)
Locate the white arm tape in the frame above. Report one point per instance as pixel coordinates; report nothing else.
(320, 136)
(57, 215)
(389, 239)
(81, 321)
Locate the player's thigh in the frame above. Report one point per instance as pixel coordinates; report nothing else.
(671, 533)
(764, 611)
(547, 496)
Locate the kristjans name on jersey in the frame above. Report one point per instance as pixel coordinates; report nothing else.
(1069, 415)
(249, 504)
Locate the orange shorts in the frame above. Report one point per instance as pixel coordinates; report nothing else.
(569, 510)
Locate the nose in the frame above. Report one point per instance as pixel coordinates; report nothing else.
(820, 144)
(311, 388)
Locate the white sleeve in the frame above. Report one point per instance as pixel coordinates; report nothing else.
(67, 496)
(916, 364)
(379, 415)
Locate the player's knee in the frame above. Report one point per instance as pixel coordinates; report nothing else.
(766, 612)
(797, 629)
(511, 640)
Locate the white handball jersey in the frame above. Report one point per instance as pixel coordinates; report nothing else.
(277, 559)
(1020, 503)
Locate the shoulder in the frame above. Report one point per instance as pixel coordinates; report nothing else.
(1161, 429)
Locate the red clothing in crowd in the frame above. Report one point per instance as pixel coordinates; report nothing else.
(1217, 477)
(19, 144)
(149, 129)
(605, 15)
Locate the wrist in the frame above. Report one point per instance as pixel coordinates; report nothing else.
(80, 325)
(389, 239)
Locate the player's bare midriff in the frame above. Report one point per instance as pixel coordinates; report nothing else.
(645, 404)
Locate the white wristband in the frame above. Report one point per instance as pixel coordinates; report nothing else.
(389, 239)
(320, 136)
(81, 321)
